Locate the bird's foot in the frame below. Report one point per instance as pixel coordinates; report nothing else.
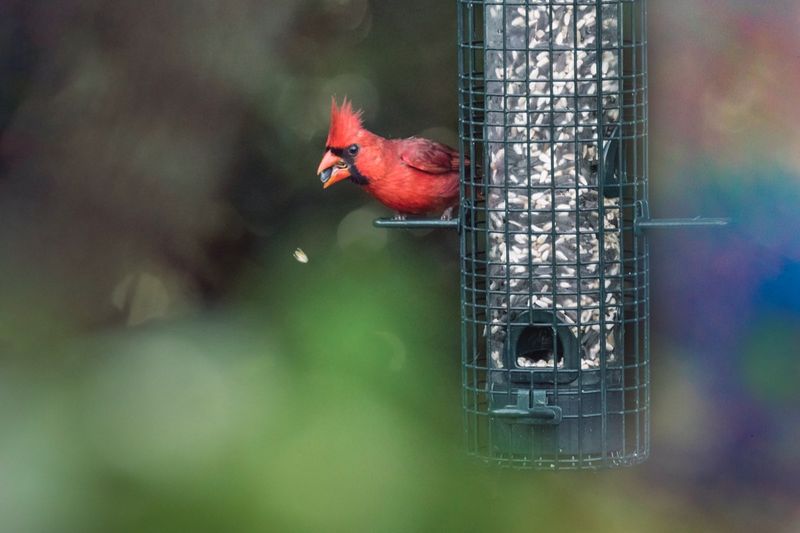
(448, 214)
(399, 216)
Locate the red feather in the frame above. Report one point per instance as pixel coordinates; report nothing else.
(429, 156)
(345, 124)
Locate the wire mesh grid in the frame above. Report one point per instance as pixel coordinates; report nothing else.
(555, 308)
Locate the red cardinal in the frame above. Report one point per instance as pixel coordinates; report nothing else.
(411, 176)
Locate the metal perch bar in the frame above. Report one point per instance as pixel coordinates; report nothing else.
(681, 223)
(417, 223)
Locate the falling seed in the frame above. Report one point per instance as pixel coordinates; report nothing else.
(300, 256)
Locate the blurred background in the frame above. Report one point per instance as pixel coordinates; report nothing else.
(169, 365)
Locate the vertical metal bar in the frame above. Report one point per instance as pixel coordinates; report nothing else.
(620, 338)
(581, 419)
(473, 70)
(645, 139)
(528, 186)
(465, 363)
(635, 48)
(601, 232)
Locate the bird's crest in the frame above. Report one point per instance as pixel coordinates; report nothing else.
(345, 124)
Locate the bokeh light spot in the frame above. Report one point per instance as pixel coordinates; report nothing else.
(356, 229)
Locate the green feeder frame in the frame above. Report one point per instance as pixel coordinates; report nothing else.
(555, 283)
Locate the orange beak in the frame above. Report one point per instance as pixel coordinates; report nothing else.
(332, 169)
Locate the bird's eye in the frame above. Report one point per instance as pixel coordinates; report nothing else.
(353, 149)
(341, 164)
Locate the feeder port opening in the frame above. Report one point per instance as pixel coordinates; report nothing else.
(539, 346)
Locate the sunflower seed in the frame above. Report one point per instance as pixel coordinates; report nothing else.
(300, 256)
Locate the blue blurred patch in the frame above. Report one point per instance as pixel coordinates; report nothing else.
(781, 293)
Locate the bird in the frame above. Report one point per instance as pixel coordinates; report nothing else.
(413, 176)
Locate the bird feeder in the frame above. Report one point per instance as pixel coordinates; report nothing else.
(553, 216)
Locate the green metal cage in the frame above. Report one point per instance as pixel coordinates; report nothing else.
(555, 306)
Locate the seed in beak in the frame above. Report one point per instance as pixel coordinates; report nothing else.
(326, 175)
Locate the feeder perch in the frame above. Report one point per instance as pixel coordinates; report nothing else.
(553, 216)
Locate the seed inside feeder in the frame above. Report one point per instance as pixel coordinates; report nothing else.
(552, 176)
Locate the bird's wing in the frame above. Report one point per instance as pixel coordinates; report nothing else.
(429, 156)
